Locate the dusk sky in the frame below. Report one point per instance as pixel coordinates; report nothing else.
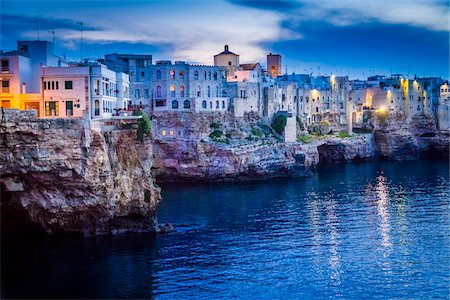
(345, 37)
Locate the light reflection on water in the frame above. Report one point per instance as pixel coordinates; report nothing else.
(375, 230)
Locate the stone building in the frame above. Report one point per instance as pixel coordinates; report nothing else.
(139, 69)
(229, 62)
(274, 65)
(181, 86)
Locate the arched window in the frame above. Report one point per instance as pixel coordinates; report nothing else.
(224, 93)
(209, 91)
(182, 74)
(97, 108)
(204, 104)
(196, 75)
(174, 104)
(209, 75)
(205, 75)
(215, 75)
(210, 104)
(217, 105)
(199, 93)
(158, 92)
(158, 74)
(182, 91)
(217, 91)
(172, 74)
(187, 104)
(223, 104)
(172, 91)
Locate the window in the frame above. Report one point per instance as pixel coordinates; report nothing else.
(224, 93)
(223, 104)
(5, 66)
(172, 74)
(198, 91)
(209, 91)
(181, 74)
(210, 104)
(204, 104)
(53, 85)
(172, 91)
(158, 75)
(137, 94)
(205, 75)
(146, 93)
(158, 92)
(174, 104)
(69, 108)
(160, 103)
(217, 91)
(209, 75)
(182, 91)
(97, 108)
(187, 104)
(57, 85)
(5, 86)
(51, 108)
(217, 105)
(68, 85)
(196, 75)
(229, 63)
(142, 74)
(215, 75)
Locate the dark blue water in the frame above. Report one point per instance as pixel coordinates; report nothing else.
(373, 230)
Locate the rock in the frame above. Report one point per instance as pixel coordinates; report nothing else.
(165, 228)
(68, 179)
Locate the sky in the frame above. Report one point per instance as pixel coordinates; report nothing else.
(357, 38)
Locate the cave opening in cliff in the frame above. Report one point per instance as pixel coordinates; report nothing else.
(330, 154)
(14, 219)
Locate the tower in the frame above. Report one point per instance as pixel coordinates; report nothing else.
(274, 65)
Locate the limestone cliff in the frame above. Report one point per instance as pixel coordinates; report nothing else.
(399, 139)
(58, 175)
(244, 149)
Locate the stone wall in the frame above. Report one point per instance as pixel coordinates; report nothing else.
(64, 178)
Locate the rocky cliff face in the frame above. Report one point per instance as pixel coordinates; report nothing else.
(399, 139)
(250, 150)
(64, 178)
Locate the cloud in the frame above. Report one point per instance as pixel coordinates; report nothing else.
(428, 14)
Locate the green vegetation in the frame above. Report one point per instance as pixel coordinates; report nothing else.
(343, 134)
(304, 138)
(279, 123)
(324, 123)
(144, 126)
(257, 132)
(107, 137)
(215, 125)
(216, 134)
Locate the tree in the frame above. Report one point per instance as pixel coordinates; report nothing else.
(279, 123)
(144, 126)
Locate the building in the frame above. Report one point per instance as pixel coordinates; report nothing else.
(139, 69)
(443, 110)
(181, 86)
(274, 65)
(92, 91)
(20, 74)
(228, 60)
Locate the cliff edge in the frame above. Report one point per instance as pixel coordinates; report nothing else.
(66, 179)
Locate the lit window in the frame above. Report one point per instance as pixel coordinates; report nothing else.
(163, 132)
(172, 74)
(171, 132)
(172, 91)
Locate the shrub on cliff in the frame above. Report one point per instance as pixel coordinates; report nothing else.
(257, 132)
(215, 125)
(279, 123)
(343, 134)
(304, 138)
(144, 126)
(216, 134)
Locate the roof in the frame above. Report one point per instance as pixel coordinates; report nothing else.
(226, 51)
(247, 67)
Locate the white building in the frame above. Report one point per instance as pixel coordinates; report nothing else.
(83, 91)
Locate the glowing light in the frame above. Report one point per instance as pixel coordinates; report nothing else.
(382, 109)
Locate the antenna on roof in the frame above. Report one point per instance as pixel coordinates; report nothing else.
(53, 33)
(37, 28)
